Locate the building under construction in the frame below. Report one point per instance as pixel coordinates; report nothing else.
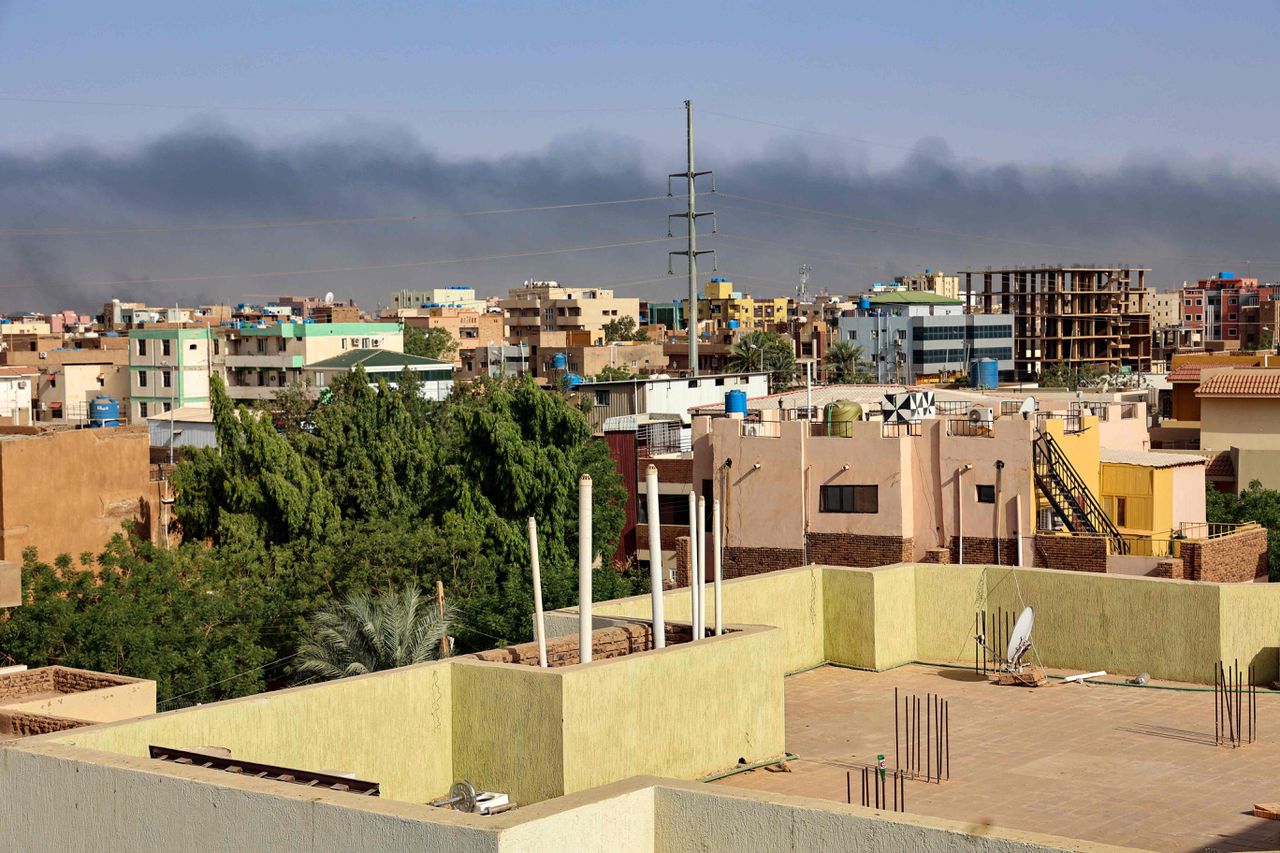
(1083, 315)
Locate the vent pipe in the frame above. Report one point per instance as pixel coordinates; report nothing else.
(584, 569)
(702, 567)
(693, 565)
(539, 628)
(715, 547)
(655, 557)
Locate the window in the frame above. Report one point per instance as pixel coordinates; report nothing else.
(164, 347)
(1232, 316)
(1122, 511)
(166, 378)
(215, 347)
(320, 379)
(672, 509)
(849, 499)
(853, 334)
(602, 397)
(142, 379)
(142, 346)
(142, 410)
(262, 345)
(191, 346)
(167, 406)
(986, 494)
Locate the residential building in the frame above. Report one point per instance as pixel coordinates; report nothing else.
(919, 336)
(1075, 315)
(722, 308)
(931, 281)
(665, 395)
(68, 491)
(1167, 333)
(638, 357)
(1239, 414)
(333, 313)
(1184, 379)
(320, 310)
(494, 361)
(169, 368)
(1229, 312)
(17, 385)
(259, 361)
(541, 307)
(668, 314)
(453, 296)
(380, 365)
(467, 327)
(58, 698)
(120, 316)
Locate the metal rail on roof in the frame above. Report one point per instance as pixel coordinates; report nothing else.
(254, 770)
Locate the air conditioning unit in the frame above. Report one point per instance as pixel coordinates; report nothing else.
(22, 384)
(982, 415)
(44, 355)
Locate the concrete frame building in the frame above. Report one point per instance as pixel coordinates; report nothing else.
(915, 336)
(546, 306)
(452, 296)
(1076, 315)
(931, 281)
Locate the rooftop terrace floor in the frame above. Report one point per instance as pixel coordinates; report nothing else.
(1111, 764)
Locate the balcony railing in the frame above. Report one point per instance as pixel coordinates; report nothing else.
(969, 429)
(911, 428)
(1212, 530)
(952, 407)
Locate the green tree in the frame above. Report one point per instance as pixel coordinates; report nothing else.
(609, 373)
(845, 364)
(765, 351)
(1071, 375)
(292, 406)
(624, 328)
(432, 343)
(1253, 504)
(366, 634)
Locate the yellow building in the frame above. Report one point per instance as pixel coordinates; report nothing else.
(1151, 495)
(721, 305)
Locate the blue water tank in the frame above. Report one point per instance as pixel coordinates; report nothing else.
(571, 381)
(104, 411)
(865, 303)
(1226, 275)
(559, 361)
(927, 271)
(735, 401)
(733, 324)
(984, 373)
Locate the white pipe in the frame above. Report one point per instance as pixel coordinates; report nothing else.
(702, 567)
(539, 629)
(715, 546)
(1017, 525)
(1082, 676)
(960, 512)
(655, 557)
(584, 569)
(693, 565)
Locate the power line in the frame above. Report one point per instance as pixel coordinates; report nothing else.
(187, 279)
(77, 102)
(231, 678)
(59, 231)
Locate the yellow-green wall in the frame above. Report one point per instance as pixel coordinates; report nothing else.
(687, 711)
(356, 725)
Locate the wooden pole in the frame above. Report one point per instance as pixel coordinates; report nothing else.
(444, 639)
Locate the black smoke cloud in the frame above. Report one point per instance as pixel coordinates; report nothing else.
(1185, 220)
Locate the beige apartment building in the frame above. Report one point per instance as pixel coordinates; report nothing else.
(1239, 415)
(931, 281)
(468, 327)
(453, 296)
(545, 306)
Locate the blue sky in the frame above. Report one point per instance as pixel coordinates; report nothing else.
(948, 135)
(1088, 83)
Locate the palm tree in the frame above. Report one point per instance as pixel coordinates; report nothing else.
(845, 364)
(367, 634)
(768, 351)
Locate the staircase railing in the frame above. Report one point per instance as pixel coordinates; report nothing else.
(1069, 496)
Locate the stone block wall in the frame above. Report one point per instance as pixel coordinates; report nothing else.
(937, 555)
(740, 562)
(978, 549)
(1171, 568)
(670, 470)
(24, 724)
(848, 549)
(1236, 558)
(1069, 553)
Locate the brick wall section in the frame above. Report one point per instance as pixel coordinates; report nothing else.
(55, 678)
(670, 533)
(851, 549)
(1237, 558)
(23, 724)
(1069, 553)
(740, 562)
(982, 550)
(670, 470)
(684, 562)
(605, 643)
(937, 555)
(23, 683)
(1171, 568)
(79, 680)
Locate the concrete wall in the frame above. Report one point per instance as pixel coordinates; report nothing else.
(1245, 422)
(70, 491)
(102, 705)
(357, 725)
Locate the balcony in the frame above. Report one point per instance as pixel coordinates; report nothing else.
(279, 361)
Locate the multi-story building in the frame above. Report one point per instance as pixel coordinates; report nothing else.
(1229, 312)
(468, 328)
(16, 391)
(452, 296)
(931, 281)
(169, 367)
(258, 361)
(435, 377)
(494, 361)
(725, 308)
(919, 336)
(1239, 411)
(545, 306)
(1074, 315)
(120, 316)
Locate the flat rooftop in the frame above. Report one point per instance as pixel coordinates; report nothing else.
(1111, 764)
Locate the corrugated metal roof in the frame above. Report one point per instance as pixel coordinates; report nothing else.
(1149, 458)
(1242, 382)
(370, 358)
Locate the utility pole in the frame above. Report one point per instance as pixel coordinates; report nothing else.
(444, 634)
(691, 320)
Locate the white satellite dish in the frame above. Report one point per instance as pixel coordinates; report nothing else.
(1028, 408)
(328, 298)
(1020, 639)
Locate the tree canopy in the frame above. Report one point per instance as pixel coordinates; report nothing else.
(434, 342)
(1253, 504)
(765, 351)
(845, 364)
(624, 328)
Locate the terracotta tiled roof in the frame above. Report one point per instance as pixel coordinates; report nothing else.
(1185, 373)
(1221, 466)
(1242, 382)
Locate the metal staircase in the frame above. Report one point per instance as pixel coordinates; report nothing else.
(1068, 495)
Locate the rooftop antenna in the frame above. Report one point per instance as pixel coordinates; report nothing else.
(1013, 670)
(1028, 408)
